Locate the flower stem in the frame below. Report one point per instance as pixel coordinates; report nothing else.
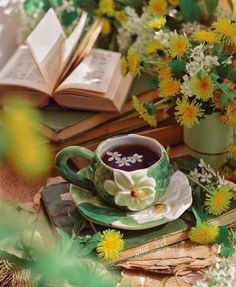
(161, 101)
(197, 182)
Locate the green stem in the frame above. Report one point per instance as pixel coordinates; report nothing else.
(197, 182)
(161, 101)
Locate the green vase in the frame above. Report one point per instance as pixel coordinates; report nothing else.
(209, 140)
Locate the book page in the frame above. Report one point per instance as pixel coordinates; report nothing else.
(72, 41)
(22, 70)
(46, 44)
(94, 73)
(82, 50)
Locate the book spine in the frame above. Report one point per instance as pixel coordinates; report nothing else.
(228, 219)
(153, 245)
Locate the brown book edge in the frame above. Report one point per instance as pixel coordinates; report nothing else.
(94, 121)
(228, 218)
(118, 126)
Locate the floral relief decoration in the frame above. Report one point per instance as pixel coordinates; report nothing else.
(176, 199)
(135, 190)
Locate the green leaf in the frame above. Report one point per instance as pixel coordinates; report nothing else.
(65, 242)
(200, 215)
(232, 76)
(223, 234)
(190, 10)
(67, 18)
(186, 163)
(178, 67)
(90, 245)
(153, 84)
(227, 251)
(234, 236)
(30, 6)
(226, 98)
(211, 6)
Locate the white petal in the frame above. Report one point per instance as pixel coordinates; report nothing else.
(122, 198)
(123, 180)
(110, 187)
(138, 175)
(146, 181)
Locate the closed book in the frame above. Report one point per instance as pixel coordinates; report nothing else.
(60, 211)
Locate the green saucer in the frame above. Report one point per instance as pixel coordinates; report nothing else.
(176, 199)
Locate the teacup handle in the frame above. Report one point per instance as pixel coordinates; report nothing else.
(69, 174)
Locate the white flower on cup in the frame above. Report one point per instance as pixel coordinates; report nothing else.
(132, 189)
(113, 155)
(124, 161)
(136, 158)
(176, 199)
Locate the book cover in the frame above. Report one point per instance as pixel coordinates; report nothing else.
(60, 210)
(62, 124)
(69, 70)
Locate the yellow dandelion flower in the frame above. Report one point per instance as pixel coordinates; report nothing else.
(187, 113)
(229, 118)
(204, 233)
(156, 23)
(178, 46)
(202, 88)
(157, 7)
(173, 2)
(106, 26)
(169, 87)
(121, 16)
(165, 73)
(206, 36)
(219, 200)
(231, 148)
(143, 113)
(153, 46)
(123, 66)
(111, 245)
(107, 7)
(231, 113)
(225, 28)
(133, 62)
(27, 150)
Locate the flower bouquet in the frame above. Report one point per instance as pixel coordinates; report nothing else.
(194, 72)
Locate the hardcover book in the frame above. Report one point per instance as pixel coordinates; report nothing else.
(61, 212)
(60, 125)
(67, 70)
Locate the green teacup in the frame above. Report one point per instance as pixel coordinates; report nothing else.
(119, 172)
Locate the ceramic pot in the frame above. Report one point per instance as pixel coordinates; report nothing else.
(209, 140)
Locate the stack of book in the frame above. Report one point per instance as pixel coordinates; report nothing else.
(81, 91)
(76, 127)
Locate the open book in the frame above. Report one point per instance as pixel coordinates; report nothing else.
(68, 70)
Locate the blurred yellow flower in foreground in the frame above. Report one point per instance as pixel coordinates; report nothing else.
(106, 26)
(27, 149)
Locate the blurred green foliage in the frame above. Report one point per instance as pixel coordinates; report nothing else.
(27, 242)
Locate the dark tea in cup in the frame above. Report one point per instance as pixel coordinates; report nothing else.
(130, 157)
